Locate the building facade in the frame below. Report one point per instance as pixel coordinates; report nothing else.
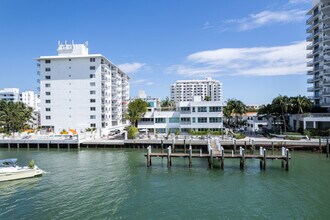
(31, 99)
(79, 90)
(319, 47)
(194, 115)
(185, 90)
(10, 94)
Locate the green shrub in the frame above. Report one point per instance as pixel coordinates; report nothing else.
(239, 136)
(132, 132)
(292, 138)
(314, 132)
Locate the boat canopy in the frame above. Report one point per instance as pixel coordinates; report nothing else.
(11, 160)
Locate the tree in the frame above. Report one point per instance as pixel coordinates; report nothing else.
(266, 111)
(281, 104)
(207, 98)
(136, 110)
(235, 107)
(300, 104)
(166, 102)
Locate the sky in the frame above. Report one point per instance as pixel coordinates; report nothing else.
(256, 48)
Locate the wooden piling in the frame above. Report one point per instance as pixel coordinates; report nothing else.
(162, 145)
(242, 160)
(148, 156)
(273, 148)
(222, 158)
(8, 146)
(320, 147)
(327, 148)
(235, 146)
(17, 145)
(287, 160)
(68, 146)
(211, 159)
(169, 162)
(190, 157)
(184, 145)
(173, 146)
(38, 146)
(28, 146)
(48, 146)
(265, 159)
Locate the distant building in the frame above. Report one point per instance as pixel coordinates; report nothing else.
(185, 90)
(30, 99)
(79, 90)
(153, 102)
(255, 122)
(193, 115)
(310, 120)
(10, 94)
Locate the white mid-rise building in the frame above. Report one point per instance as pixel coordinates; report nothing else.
(31, 99)
(194, 115)
(79, 90)
(10, 94)
(319, 38)
(185, 90)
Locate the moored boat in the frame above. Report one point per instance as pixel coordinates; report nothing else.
(9, 170)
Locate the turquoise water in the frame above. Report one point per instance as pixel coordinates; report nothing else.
(116, 184)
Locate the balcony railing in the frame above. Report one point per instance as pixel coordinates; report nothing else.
(311, 18)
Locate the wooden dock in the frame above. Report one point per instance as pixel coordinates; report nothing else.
(217, 152)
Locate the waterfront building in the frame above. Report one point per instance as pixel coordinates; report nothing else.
(195, 115)
(185, 90)
(79, 90)
(153, 102)
(310, 120)
(255, 122)
(319, 38)
(31, 99)
(10, 94)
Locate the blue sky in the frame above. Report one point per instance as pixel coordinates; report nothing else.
(256, 48)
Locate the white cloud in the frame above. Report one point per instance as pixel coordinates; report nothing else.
(131, 67)
(299, 1)
(262, 18)
(253, 61)
(140, 82)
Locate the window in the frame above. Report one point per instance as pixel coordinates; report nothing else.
(93, 109)
(92, 67)
(215, 109)
(161, 130)
(47, 61)
(193, 109)
(160, 120)
(47, 109)
(202, 109)
(92, 76)
(69, 59)
(92, 59)
(147, 120)
(194, 120)
(47, 117)
(93, 125)
(92, 116)
(202, 120)
(47, 77)
(47, 93)
(215, 120)
(92, 92)
(185, 120)
(47, 101)
(185, 109)
(92, 100)
(92, 84)
(174, 120)
(47, 69)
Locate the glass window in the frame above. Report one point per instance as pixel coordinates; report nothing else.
(92, 59)
(185, 119)
(161, 130)
(92, 84)
(215, 108)
(194, 120)
(47, 69)
(202, 109)
(47, 77)
(47, 101)
(47, 85)
(215, 120)
(185, 109)
(92, 67)
(160, 120)
(47, 109)
(202, 120)
(92, 92)
(47, 93)
(92, 76)
(92, 100)
(93, 109)
(47, 117)
(92, 116)
(93, 125)
(47, 61)
(174, 120)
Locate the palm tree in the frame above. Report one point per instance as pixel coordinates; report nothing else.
(136, 110)
(166, 102)
(236, 108)
(300, 104)
(282, 104)
(266, 111)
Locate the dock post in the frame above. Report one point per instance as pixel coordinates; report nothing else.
(169, 162)
(58, 146)
(68, 145)
(38, 146)
(28, 145)
(242, 160)
(283, 154)
(162, 145)
(320, 147)
(235, 146)
(17, 145)
(327, 148)
(78, 146)
(265, 159)
(48, 146)
(148, 156)
(211, 159)
(222, 158)
(252, 146)
(173, 145)
(287, 160)
(8, 146)
(190, 156)
(272, 147)
(200, 152)
(261, 151)
(184, 144)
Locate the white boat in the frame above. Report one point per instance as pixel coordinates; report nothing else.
(10, 171)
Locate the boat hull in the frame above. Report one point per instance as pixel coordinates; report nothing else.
(21, 174)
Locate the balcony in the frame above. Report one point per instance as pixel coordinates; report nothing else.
(326, 72)
(311, 37)
(314, 61)
(312, 89)
(325, 8)
(312, 27)
(326, 29)
(313, 97)
(325, 104)
(311, 18)
(313, 53)
(314, 79)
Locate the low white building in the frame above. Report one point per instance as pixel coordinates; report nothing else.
(255, 122)
(195, 115)
(310, 120)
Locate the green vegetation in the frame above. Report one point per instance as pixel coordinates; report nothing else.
(239, 136)
(63, 132)
(234, 108)
(90, 129)
(207, 98)
(132, 132)
(136, 110)
(313, 132)
(31, 164)
(14, 116)
(292, 138)
(177, 132)
(167, 103)
(193, 132)
(281, 107)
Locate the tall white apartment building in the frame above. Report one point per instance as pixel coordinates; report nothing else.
(319, 38)
(185, 90)
(10, 94)
(31, 99)
(79, 90)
